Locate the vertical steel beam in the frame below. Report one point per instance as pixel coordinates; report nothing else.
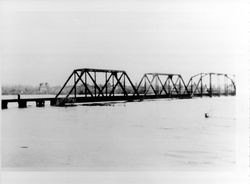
(224, 90)
(75, 86)
(156, 85)
(86, 93)
(124, 84)
(106, 81)
(210, 85)
(169, 87)
(218, 81)
(226, 85)
(233, 84)
(113, 84)
(180, 86)
(95, 82)
(201, 85)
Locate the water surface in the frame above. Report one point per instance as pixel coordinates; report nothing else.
(148, 135)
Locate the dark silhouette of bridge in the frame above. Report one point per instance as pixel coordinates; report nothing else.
(98, 85)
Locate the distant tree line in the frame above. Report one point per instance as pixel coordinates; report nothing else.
(42, 88)
(45, 88)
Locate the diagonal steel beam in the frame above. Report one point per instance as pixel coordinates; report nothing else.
(165, 84)
(131, 83)
(150, 83)
(186, 89)
(171, 79)
(64, 84)
(96, 86)
(163, 88)
(123, 88)
(197, 86)
(74, 86)
(113, 90)
(105, 85)
(143, 78)
(85, 85)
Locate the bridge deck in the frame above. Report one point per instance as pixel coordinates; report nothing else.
(27, 99)
(40, 102)
(122, 98)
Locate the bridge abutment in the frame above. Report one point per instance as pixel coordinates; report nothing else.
(4, 105)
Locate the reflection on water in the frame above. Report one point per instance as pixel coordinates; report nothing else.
(147, 135)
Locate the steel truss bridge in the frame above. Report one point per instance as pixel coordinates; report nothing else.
(99, 85)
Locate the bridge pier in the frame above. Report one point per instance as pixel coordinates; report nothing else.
(40, 103)
(53, 102)
(22, 104)
(58, 102)
(4, 105)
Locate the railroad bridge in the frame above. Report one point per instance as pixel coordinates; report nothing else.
(99, 85)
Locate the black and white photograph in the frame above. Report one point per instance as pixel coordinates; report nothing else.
(119, 91)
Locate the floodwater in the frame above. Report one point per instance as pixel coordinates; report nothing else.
(148, 135)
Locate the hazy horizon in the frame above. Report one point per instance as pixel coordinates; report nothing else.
(44, 41)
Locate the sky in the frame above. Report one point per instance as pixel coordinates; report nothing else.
(43, 41)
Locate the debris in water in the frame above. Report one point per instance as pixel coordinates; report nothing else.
(24, 147)
(206, 115)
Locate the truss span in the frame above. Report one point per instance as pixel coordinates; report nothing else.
(161, 84)
(212, 84)
(95, 85)
(98, 85)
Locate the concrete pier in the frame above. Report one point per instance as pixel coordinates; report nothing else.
(40, 103)
(22, 103)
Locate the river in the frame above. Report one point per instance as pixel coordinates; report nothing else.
(167, 134)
